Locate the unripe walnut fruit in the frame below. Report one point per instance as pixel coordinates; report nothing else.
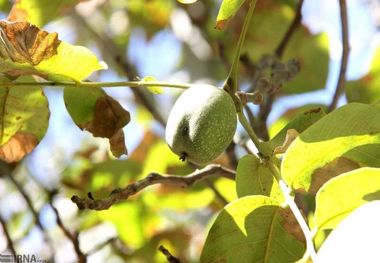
(201, 124)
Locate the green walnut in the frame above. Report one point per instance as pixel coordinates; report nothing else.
(201, 124)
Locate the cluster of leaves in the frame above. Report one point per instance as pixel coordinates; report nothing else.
(327, 165)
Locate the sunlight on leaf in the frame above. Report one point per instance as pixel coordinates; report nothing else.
(27, 50)
(332, 136)
(227, 10)
(187, 1)
(254, 229)
(343, 194)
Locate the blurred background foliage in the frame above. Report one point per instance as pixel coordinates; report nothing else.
(172, 42)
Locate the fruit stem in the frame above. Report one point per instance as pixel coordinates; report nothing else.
(263, 150)
(289, 199)
(231, 82)
(132, 84)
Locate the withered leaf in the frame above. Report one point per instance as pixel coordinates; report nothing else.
(23, 42)
(108, 120)
(17, 147)
(291, 225)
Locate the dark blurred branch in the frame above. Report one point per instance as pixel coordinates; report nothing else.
(218, 195)
(7, 236)
(169, 257)
(73, 237)
(122, 194)
(289, 33)
(20, 189)
(266, 106)
(119, 59)
(345, 53)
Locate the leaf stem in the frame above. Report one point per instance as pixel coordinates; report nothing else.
(310, 250)
(232, 75)
(132, 84)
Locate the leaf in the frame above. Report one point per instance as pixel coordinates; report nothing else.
(93, 110)
(227, 10)
(365, 155)
(332, 136)
(300, 123)
(40, 12)
(254, 178)
(355, 239)
(254, 229)
(366, 89)
(187, 1)
(27, 50)
(153, 89)
(343, 194)
(24, 118)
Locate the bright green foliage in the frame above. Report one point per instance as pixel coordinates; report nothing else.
(201, 124)
(365, 155)
(300, 123)
(153, 89)
(343, 194)
(24, 117)
(227, 10)
(366, 89)
(335, 134)
(253, 229)
(40, 12)
(253, 177)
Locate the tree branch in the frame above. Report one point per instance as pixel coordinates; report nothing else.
(169, 257)
(345, 53)
(119, 195)
(82, 258)
(266, 106)
(7, 236)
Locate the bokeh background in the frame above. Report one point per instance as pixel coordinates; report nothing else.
(178, 43)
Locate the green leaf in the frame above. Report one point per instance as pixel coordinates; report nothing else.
(365, 155)
(153, 89)
(27, 50)
(24, 119)
(93, 110)
(300, 123)
(254, 229)
(187, 1)
(254, 177)
(40, 12)
(366, 89)
(227, 10)
(343, 194)
(332, 136)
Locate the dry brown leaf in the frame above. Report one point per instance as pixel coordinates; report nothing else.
(109, 119)
(141, 151)
(334, 168)
(291, 225)
(17, 147)
(23, 42)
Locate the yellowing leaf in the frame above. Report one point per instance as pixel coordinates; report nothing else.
(24, 118)
(27, 50)
(93, 110)
(153, 89)
(227, 10)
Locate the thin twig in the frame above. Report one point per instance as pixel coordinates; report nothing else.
(101, 245)
(266, 106)
(169, 257)
(289, 33)
(7, 236)
(82, 258)
(35, 214)
(217, 194)
(119, 195)
(345, 53)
